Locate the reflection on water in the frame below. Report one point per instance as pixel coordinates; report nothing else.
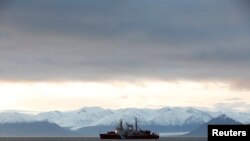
(172, 134)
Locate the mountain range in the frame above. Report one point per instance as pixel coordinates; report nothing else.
(221, 119)
(91, 120)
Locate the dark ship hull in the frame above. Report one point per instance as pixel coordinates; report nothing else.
(106, 136)
(142, 137)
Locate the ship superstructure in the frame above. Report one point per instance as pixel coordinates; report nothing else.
(130, 132)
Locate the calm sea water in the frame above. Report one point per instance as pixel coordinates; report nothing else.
(95, 139)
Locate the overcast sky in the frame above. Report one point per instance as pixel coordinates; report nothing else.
(132, 41)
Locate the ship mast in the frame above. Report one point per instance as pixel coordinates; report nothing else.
(136, 124)
(120, 124)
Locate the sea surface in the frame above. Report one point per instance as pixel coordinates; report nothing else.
(97, 139)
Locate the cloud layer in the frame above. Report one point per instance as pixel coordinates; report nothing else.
(125, 40)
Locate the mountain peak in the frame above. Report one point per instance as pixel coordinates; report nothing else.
(92, 108)
(223, 119)
(223, 116)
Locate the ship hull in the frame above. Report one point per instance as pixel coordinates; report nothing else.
(105, 136)
(142, 137)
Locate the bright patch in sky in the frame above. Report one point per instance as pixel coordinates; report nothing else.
(44, 96)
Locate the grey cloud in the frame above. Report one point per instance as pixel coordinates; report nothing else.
(125, 40)
(170, 21)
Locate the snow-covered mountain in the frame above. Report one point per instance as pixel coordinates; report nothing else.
(15, 117)
(87, 116)
(239, 116)
(96, 116)
(164, 117)
(180, 116)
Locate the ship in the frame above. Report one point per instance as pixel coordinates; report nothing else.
(129, 132)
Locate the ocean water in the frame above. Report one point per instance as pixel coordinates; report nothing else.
(97, 139)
